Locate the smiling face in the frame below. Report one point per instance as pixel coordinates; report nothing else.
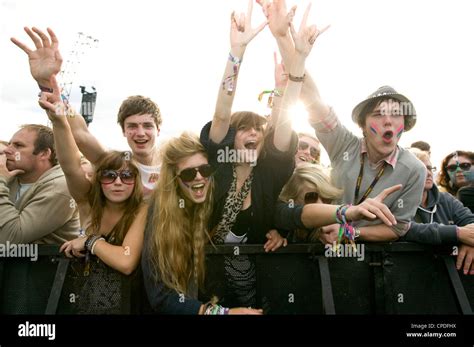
(383, 128)
(194, 189)
(249, 140)
(308, 151)
(141, 133)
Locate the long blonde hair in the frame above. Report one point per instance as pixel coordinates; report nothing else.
(314, 174)
(179, 232)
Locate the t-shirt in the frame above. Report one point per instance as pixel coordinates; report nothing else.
(149, 175)
(22, 190)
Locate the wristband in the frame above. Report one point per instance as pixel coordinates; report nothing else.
(296, 78)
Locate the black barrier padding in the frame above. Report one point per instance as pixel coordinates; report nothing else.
(418, 283)
(352, 285)
(395, 278)
(27, 285)
(289, 284)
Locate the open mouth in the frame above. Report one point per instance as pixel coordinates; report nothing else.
(198, 188)
(303, 158)
(141, 142)
(387, 136)
(252, 144)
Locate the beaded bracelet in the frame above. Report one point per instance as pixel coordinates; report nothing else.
(215, 309)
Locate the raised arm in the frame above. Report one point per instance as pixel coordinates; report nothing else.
(281, 80)
(304, 40)
(66, 149)
(241, 33)
(45, 61)
(279, 21)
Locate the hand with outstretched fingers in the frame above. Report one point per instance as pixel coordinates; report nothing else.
(278, 17)
(241, 31)
(374, 208)
(45, 61)
(306, 36)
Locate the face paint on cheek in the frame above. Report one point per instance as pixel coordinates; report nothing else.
(469, 175)
(374, 129)
(399, 131)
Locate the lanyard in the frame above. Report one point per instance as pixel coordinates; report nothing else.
(372, 185)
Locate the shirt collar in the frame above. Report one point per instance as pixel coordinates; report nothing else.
(390, 159)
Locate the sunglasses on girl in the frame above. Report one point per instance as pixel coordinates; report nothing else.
(313, 151)
(462, 166)
(188, 175)
(312, 198)
(110, 176)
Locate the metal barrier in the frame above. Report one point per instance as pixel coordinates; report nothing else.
(392, 278)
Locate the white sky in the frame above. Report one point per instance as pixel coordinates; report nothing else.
(175, 53)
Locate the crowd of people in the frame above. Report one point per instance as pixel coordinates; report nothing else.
(244, 179)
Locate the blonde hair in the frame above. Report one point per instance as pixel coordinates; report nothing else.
(421, 155)
(314, 174)
(179, 234)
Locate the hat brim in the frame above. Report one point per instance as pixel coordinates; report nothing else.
(410, 119)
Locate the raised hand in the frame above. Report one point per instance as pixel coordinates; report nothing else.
(306, 35)
(278, 17)
(374, 208)
(241, 32)
(46, 60)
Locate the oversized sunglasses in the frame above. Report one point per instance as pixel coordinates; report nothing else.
(187, 175)
(312, 198)
(110, 176)
(462, 166)
(313, 151)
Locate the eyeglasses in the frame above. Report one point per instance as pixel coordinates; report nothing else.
(431, 168)
(110, 176)
(313, 151)
(462, 166)
(187, 175)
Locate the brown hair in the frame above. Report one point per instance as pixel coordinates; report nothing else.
(44, 140)
(114, 160)
(443, 176)
(138, 105)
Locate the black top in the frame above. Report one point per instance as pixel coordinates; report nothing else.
(272, 171)
(466, 196)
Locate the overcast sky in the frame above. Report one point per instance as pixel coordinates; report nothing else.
(175, 53)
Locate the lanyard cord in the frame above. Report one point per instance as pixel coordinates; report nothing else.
(372, 185)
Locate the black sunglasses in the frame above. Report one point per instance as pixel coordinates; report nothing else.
(313, 151)
(462, 166)
(110, 176)
(187, 175)
(312, 198)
